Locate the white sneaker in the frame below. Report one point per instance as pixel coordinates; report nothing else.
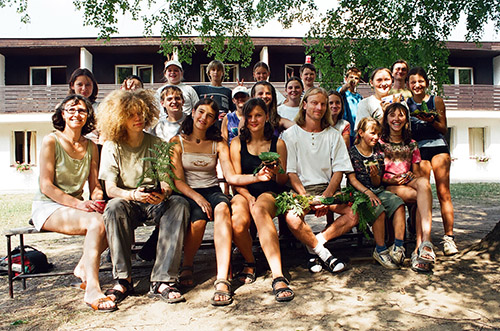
(449, 246)
(397, 254)
(384, 259)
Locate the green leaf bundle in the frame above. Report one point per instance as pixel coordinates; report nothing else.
(162, 168)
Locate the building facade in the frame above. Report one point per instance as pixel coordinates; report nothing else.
(34, 75)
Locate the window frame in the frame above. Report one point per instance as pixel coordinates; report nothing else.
(456, 75)
(135, 71)
(472, 151)
(48, 73)
(27, 154)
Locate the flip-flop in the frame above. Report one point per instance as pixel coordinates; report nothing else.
(96, 305)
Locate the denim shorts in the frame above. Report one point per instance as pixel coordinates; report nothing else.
(213, 195)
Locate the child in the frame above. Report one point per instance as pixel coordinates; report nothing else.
(261, 71)
(402, 170)
(231, 123)
(294, 90)
(368, 164)
(336, 105)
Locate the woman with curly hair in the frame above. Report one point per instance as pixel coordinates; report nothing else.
(199, 147)
(123, 116)
(67, 161)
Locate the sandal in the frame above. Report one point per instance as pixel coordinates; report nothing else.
(247, 277)
(278, 291)
(228, 293)
(334, 265)
(426, 255)
(80, 285)
(314, 264)
(97, 303)
(417, 265)
(119, 295)
(186, 281)
(165, 294)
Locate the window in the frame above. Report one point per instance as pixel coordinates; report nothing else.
(24, 147)
(232, 73)
(145, 71)
(48, 75)
(292, 70)
(476, 142)
(460, 75)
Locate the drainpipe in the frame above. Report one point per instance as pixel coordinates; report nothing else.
(2, 70)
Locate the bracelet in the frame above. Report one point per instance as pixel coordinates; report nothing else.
(365, 190)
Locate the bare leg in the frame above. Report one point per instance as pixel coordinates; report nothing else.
(301, 230)
(240, 220)
(192, 242)
(441, 167)
(75, 222)
(424, 204)
(342, 224)
(378, 228)
(222, 240)
(398, 221)
(263, 212)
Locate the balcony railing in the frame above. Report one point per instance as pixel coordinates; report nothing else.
(28, 99)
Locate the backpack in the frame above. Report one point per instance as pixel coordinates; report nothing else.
(34, 261)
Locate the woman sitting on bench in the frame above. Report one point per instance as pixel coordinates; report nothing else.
(67, 161)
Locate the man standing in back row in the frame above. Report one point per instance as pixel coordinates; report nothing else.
(351, 98)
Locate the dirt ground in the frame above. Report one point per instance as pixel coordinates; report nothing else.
(462, 293)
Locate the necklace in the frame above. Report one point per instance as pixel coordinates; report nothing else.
(198, 140)
(74, 144)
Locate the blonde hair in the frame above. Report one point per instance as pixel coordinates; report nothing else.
(117, 108)
(326, 121)
(365, 124)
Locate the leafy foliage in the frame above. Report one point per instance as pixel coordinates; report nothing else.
(270, 160)
(162, 168)
(359, 202)
(363, 33)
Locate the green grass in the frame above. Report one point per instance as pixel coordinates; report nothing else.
(15, 210)
(484, 194)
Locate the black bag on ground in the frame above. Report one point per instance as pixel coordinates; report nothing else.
(34, 261)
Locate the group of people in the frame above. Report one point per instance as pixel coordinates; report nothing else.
(385, 152)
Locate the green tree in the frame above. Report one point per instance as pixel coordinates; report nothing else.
(364, 33)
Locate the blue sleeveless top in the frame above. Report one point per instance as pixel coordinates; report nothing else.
(421, 131)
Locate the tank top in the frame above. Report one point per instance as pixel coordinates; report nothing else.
(200, 168)
(70, 174)
(421, 131)
(232, 125)
(248, 164)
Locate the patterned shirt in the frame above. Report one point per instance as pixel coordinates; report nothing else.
(361, 165)
(399, 157)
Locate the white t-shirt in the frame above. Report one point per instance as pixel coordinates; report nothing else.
(165, 129)
(315, 156)
(288, 112)
(369, 107)
(189, 94)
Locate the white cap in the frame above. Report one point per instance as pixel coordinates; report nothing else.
(175, 63)
(240, 89)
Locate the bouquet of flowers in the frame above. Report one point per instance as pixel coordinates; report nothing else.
(300, 204)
